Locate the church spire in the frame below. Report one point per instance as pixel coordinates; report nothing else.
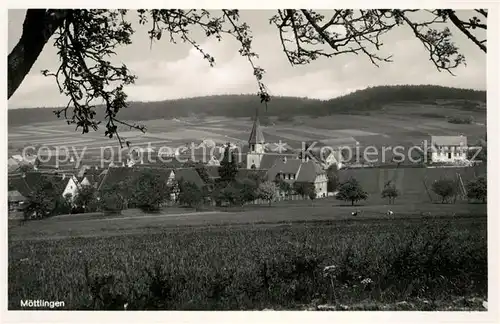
(256, 135)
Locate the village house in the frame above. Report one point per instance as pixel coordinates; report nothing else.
(16, 201)
(296, 170)
(172, 177)
(448, 149)
(25, 183)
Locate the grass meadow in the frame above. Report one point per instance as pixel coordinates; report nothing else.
(260, 258)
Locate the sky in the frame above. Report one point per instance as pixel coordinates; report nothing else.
(171, 71)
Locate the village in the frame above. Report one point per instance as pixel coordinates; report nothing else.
(314, 173)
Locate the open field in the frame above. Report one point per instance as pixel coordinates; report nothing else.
(261, 257)
(382, 128)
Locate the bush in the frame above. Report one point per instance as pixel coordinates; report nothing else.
(352, 191)
(111, 201)
(477, 189)
(86, 199)
(445, 188)
(190, 195)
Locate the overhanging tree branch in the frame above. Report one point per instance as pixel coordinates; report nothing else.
(39, 25)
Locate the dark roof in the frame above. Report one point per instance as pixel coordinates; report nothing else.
(213, 171)
(309, 171)
(115, 175)
(256, 136)
(269, 159)
(282, 166)
(189, 175)
(246, 173)
(304, 171)
(27, 182)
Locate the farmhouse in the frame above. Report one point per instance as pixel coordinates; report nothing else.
(295, 170)
(26, 183)
(448, 149)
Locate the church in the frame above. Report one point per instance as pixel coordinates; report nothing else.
(284, 166)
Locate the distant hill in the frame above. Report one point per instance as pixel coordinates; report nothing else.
(370, 99)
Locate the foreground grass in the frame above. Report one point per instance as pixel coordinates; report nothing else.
(276, 266)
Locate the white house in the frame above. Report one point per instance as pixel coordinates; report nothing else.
(213, 161)
(71, 186)
(448, 149)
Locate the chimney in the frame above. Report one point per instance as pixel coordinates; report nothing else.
(284, 159)
(64, 176)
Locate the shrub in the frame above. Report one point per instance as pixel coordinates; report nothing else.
(352, 191)
(283, 186)
(247, 190)
(86, 199)
(477, 189)
(190, 195)
(111, 201)
(445, 188)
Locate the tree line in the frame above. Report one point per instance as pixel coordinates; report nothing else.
(370, 99)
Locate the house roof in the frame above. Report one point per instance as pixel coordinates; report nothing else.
(269, 159)
(256, 136)
(246, 173)
(213, 171)
(189, 175)
(282, 166)
(25, 183)
(15, 195)
(304, 171)
(116, 175)
(449, 140)
(309, 171)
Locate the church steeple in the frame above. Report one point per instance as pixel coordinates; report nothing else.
(256, 136)
(256, 144)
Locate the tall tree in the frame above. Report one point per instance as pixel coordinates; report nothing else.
(351, 190)
(149, 191)
(86, 39)
(228, 166)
